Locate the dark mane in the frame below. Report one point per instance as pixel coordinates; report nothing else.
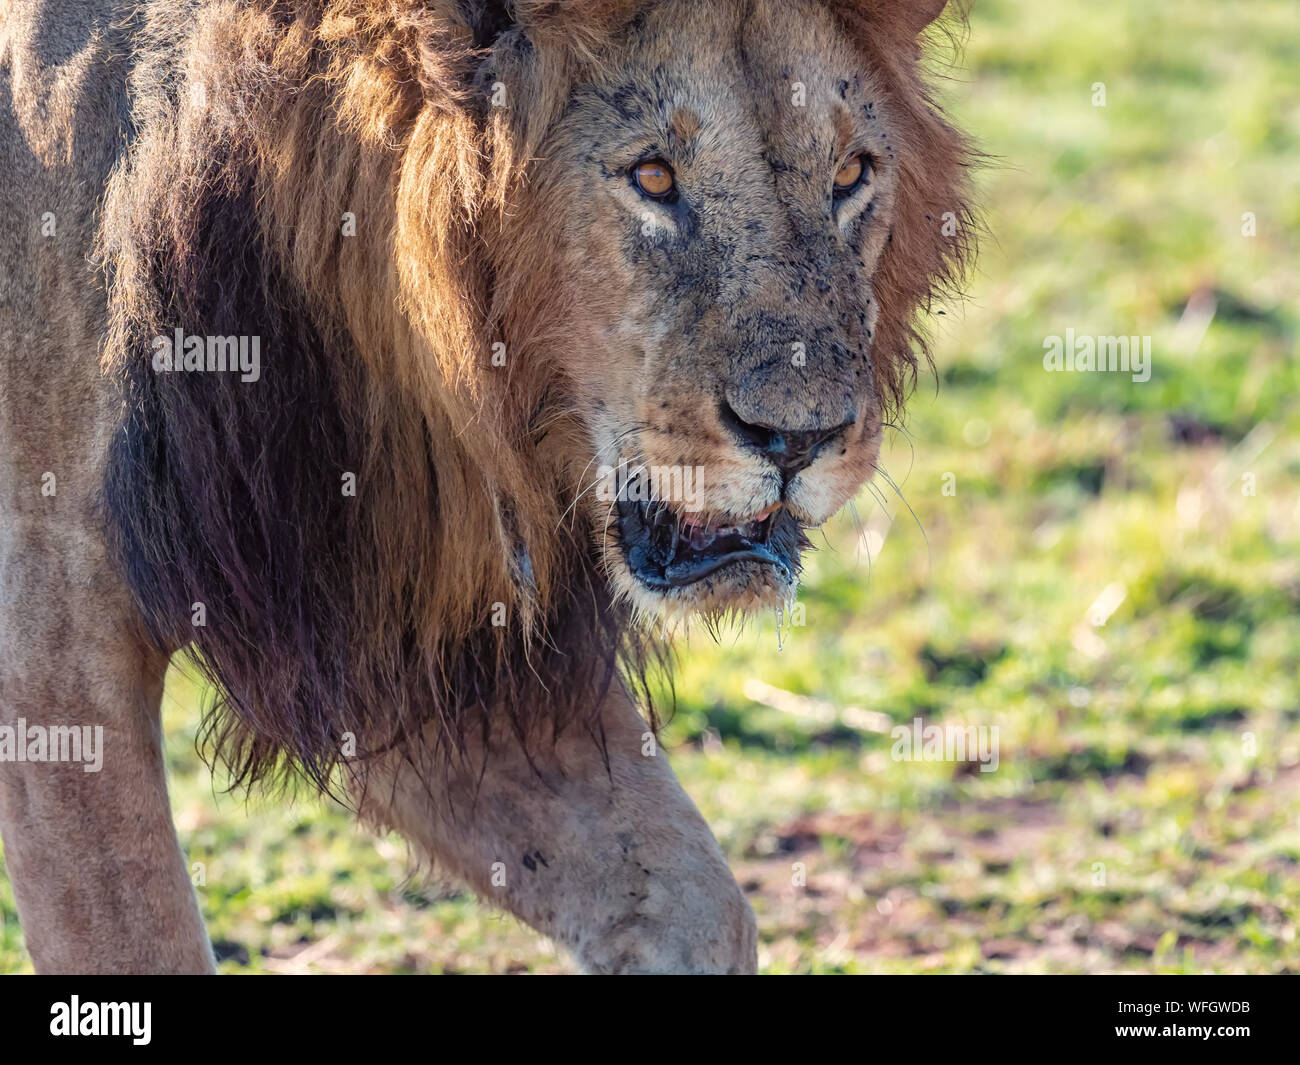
(327, 615)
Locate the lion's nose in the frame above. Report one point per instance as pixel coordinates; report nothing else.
(789, 450)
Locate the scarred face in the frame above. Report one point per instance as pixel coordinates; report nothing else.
(721, 212)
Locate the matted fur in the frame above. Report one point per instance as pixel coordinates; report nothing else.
(261, 122)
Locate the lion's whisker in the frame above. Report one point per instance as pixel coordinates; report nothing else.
(599, 451)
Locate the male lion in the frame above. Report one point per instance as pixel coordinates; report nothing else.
(405, 358)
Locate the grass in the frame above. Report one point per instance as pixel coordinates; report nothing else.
(1106, 571)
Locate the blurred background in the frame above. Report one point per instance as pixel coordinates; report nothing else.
(1106, 571)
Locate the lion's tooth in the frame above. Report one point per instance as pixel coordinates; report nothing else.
(701, 538)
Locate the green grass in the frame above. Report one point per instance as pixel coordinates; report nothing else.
(1144, 813)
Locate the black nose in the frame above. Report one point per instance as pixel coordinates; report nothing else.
(789, 450)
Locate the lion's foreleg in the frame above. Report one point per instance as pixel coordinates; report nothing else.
(614, 863)
(89, 845)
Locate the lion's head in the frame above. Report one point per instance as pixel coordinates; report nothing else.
(598, 305)
(730, 218)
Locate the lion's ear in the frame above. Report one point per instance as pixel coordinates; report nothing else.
(920, 13)
(899, 18)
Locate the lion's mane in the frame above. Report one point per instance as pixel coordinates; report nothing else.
(256, 125)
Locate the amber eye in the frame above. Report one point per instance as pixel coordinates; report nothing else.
(654, 178)
(850, 175)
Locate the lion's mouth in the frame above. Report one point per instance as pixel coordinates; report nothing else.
(664, 550)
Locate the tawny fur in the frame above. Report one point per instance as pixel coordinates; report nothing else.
(201, 160)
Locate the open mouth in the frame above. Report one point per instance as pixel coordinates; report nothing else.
(666, 550)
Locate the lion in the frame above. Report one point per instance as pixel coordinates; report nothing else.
(413, 364)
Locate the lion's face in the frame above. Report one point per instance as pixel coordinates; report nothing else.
(721, 198)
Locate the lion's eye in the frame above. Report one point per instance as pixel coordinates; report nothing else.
(851, 175)
(654, 178)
